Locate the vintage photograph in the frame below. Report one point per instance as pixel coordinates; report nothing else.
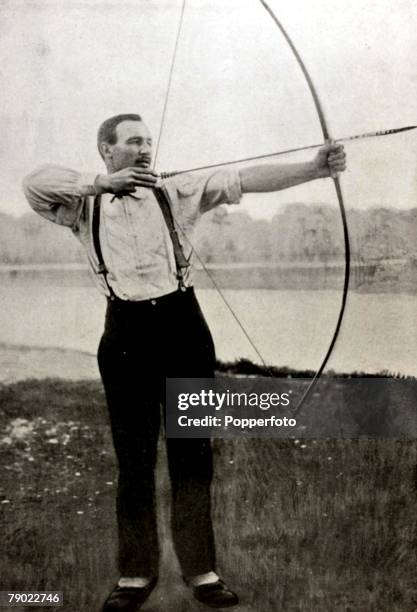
(208, 339)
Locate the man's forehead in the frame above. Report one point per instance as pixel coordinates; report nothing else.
(128, 129)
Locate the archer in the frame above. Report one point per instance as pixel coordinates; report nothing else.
(126, 221)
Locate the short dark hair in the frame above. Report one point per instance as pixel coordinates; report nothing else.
(107, 130)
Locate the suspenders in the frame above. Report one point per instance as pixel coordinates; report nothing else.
(181, 262)
(95, 230)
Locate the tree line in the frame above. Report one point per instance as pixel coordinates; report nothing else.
(297, 233)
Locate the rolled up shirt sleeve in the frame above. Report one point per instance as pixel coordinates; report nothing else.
(222, 187)
(195, 194)
(58, 193)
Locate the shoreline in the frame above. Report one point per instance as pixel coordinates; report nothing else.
(379, 277)
(23, 362)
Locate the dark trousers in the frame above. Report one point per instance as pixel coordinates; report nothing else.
(143, 343)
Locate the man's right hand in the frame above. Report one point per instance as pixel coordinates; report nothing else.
(126, 180)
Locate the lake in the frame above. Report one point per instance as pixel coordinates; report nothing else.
(289, 327)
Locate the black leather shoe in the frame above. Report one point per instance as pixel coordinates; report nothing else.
(128, 599)
(215, 595)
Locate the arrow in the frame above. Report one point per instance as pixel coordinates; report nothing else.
(165, 175)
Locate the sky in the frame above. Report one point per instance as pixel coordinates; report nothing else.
(236, 90)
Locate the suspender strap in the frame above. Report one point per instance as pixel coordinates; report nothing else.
(95, 229)
(181, 261)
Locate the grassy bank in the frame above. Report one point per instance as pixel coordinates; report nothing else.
(302, 526)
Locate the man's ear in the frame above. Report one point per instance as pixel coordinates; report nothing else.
(105, 150)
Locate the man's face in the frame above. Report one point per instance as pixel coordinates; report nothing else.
(133, 147)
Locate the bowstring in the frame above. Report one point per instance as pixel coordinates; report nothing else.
(226, 302)
(193, 250)
(169, 85)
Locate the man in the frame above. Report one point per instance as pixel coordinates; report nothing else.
(154, 329)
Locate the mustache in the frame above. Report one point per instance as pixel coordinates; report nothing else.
(144, 158)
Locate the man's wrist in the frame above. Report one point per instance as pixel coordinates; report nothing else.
(319, 171)
(102, 184)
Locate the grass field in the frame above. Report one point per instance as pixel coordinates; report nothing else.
(301, 525)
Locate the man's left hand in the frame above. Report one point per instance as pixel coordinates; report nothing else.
(330, 160)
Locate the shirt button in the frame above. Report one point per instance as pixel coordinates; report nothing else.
(153, 302)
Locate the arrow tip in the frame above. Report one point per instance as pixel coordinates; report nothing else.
(404, 129)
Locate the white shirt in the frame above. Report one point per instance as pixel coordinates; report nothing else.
(134, 238)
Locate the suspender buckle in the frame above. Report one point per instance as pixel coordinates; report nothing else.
(180, 278)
